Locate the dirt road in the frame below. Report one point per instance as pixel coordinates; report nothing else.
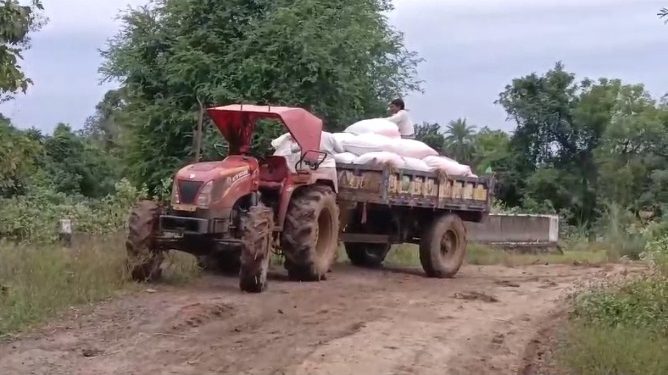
(357, 322)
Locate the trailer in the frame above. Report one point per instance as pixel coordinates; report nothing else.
(381, 207)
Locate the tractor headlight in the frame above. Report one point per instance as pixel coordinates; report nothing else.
(204, 197)
(176, 199)
(212, 191)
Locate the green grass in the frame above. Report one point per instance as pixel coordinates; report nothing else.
(619, 329)
(38, 282)
(606, 350)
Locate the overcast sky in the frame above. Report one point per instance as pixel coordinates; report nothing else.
(472, 49)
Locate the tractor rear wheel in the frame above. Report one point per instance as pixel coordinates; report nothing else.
(257, 228)
(310, 233)
(144, 260)
(443, 247)
(369, 255)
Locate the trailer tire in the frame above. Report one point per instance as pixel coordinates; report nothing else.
(368, 255)
(310, 235)
(443, 247)
(144, 260)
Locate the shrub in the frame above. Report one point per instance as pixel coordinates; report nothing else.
(34, 217)
(640, 303)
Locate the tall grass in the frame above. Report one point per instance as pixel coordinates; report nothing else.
(38, 282)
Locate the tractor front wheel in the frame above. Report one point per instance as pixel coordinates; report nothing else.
(257, 228)
(310, 234)
(144, 260)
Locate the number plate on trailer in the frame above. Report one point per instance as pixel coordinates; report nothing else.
(185, 207)
(172, 234)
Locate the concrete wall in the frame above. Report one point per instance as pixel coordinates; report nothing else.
(507, 228)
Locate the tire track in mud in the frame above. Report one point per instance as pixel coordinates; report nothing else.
(359, 321)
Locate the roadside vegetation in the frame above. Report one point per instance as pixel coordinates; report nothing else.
(621, 326)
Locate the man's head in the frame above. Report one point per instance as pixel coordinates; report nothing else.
(397, 105)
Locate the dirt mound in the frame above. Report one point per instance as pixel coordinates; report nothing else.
(198, 314)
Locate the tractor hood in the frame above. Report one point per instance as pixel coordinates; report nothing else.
(208, 171)
(237, 123)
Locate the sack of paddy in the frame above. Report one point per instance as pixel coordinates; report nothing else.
(377, 126)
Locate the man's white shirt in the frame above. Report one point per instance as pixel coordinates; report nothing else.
(403, 122)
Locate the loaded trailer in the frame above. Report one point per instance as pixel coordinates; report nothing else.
(380, 207)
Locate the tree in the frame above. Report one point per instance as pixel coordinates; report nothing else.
(104, 126)
(339, 59)
(16, 22)
(431, 135)
(490, 149)
(663, 13)
(17, 158)
(580, 146)
(459, 140)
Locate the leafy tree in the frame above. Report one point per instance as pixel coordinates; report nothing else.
(459, 140)
(431, 135)
(76, 166)
(17, 159)
(16, 21)
(338, 59)
(104, 127)
(583, 145)
(490, 148)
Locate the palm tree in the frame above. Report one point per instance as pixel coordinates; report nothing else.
(459, 140)
(663, 13)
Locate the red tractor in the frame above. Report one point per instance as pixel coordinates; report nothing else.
(231, 213)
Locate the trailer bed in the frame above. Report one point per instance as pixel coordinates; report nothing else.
(407, 188)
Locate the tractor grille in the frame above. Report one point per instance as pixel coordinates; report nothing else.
(188, 191)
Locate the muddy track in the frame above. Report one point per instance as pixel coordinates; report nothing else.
(357, 322)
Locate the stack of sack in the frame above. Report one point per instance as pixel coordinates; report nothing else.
(377, 142)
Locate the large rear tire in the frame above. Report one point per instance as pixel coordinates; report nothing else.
(368, 255)
(144, 260)
(257, 228)
(443, 247)
(310, 234)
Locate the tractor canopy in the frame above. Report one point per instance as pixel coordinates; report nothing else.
(237, 123)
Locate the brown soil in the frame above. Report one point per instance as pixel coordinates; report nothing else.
(388, 321)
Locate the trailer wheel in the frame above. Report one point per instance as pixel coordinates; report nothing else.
(144, 260)
(367, 254)
(257, 228)
(310, 234)
(443, 247)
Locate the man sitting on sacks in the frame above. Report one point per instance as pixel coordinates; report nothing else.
(400, 117)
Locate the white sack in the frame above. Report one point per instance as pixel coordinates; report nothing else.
(449, 166)
(411, 148)
(283, 145)
(342, 138)
(380, 159)
(330, 144)
(360, 145)
(416, 165)
(378, 126)
(345, 158)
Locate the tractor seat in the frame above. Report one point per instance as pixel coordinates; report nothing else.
(273, 172)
